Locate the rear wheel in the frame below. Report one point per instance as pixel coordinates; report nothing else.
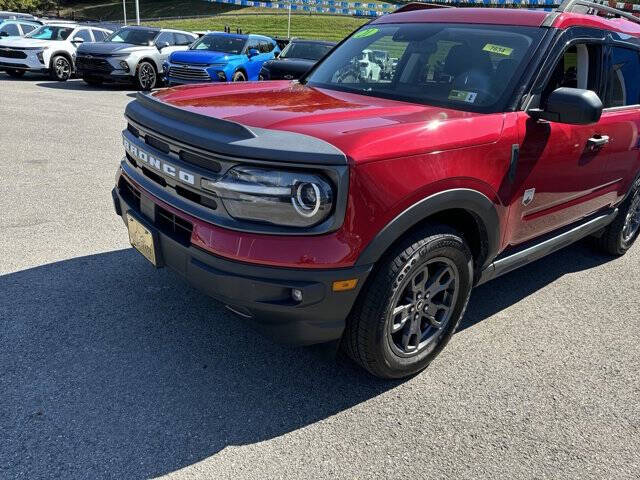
(15, 73)
(622, 233)
(239, 77)
(146, 76)
(412, 305)
(93, 81)
(60, 68)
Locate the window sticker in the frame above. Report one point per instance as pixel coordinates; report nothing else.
(367, 32)
(498, 49)
(462, 96)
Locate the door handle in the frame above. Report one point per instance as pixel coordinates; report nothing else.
(598, 141)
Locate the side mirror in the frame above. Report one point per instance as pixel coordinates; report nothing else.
(78, 40)
(573, 106)
(252, 52)
(162, 45)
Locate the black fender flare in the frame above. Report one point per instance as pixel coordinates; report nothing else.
(472, 201)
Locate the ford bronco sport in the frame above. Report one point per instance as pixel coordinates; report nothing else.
(342, 207)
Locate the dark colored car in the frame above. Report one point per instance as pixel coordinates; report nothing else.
(363, 209)
(295, 60)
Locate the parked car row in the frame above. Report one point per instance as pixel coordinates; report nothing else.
(147, 56)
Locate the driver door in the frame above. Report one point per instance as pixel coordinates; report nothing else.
(561, 174)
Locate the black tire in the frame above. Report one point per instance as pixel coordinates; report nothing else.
(369, 338)
(146, 76)
(622, 233)
(15, 73)
(92, 81)
(61, 68)
(239, 77)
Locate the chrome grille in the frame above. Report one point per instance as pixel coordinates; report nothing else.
(189, 73)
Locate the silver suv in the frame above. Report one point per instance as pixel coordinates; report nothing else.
(131, 55)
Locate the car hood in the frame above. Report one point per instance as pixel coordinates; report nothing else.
(196, 57)
(365, 128)
(108, 48)
(21, 42)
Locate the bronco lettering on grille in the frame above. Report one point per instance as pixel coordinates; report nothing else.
(158, 164)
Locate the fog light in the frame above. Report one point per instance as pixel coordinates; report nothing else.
(296, 294)
(124, 65)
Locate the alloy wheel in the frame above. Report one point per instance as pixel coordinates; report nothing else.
(632, 221)
(147, 76)
(422, 307)
(62, 68)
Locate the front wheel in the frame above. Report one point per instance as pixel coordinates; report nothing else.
(146, 76)
(412, 305)
(15, 73)
(60, 68)
(238, 77)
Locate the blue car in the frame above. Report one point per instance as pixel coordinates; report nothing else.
(220, 57)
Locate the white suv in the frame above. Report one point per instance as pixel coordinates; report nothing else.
(48, 49)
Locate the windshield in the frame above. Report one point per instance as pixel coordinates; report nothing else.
(134, 36)
(468, 67)
(51, 32)
(220, 43)
(306, 50)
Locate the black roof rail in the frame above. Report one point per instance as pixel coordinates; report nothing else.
(409, 7)
(570, 5)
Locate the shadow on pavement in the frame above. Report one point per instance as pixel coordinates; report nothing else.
(110, 368)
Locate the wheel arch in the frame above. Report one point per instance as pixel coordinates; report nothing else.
(468, 211)
(62, 53)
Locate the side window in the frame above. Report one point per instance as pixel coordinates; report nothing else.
(26, 28)
(84, 34)
(166, 37)
(98, 35)
(11, 29)
(182, 39)
(579, 67)
(253, 44)
(622, 78)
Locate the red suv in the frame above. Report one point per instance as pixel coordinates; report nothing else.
(362, 207)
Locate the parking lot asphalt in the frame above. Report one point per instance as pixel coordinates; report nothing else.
(109, 369)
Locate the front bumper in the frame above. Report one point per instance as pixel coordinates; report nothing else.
(30, 63)
(261, 294)
(115, 76)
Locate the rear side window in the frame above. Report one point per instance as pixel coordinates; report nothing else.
(622, 78)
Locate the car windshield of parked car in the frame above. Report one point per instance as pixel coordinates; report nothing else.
(133, 36)
(51, 32)
(466, 67)
(306, 50)
(220, 43)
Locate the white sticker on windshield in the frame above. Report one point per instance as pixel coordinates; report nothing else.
(462, 96)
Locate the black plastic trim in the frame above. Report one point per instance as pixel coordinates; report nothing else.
(262, 294)
(545, 247)
(464, 199)
(230, 138)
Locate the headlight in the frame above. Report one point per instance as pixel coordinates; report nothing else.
(289, 198)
